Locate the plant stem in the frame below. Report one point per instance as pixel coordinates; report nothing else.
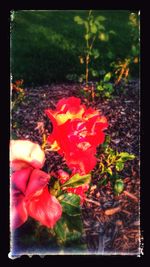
(87, 69)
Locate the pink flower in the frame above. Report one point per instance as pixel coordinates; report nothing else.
(29, 194)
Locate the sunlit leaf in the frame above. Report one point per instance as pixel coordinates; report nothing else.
(109, 170)
(119, 166)
(77, 180)
(100, 88)
(107, 77)
(119, 186)
(78, 20)
(93, 28)
(103, 37)
(87, 36)
(126, 156)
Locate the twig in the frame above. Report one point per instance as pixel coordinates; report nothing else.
(126, 193)
(112, 211)
(92, 201)
(127, 212)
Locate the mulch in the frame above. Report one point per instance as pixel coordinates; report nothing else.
(118, 233)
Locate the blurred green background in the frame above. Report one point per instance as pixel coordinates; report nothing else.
(46, 45)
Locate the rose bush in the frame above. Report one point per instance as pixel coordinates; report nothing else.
(78, 190)
(77, 131)
(29, 190)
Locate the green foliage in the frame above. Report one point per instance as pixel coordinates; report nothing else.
(69, 228)
(70, 204)
(65, 234)
(111, 164)
(104, 87)
(55, 37)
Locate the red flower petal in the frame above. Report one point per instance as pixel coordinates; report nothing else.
(20, 179)
(17, 165)
(45, 208)
(38, 180)
(18, 212)
(63, 176)
(81, 161)
(66, 103)
(51, 114)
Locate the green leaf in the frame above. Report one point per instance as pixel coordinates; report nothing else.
(95, 53)
(119, 186)
(109, 87)
(100, 18)
(100, 88)
(119, 166)
(103, 181)
(77, 180)
(112, 32)
(107, 77)
(70, 204)
(87, 36)
(73, 236)
(134, 50)
(109, 170)
(99, 26)
(64, 234)
(93, 28)
(107, 94)
(94, 73)
(55, 189)
(126, 156)
(60, 229)
(103, 36)
(78, 20)
(74, 223)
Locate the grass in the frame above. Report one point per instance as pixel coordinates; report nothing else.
(46, 45)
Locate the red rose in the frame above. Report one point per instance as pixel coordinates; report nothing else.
(77, 132)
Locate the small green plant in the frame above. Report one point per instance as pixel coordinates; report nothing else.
(104, 87)
(111, 164)
(18, 93)
(93, 28)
